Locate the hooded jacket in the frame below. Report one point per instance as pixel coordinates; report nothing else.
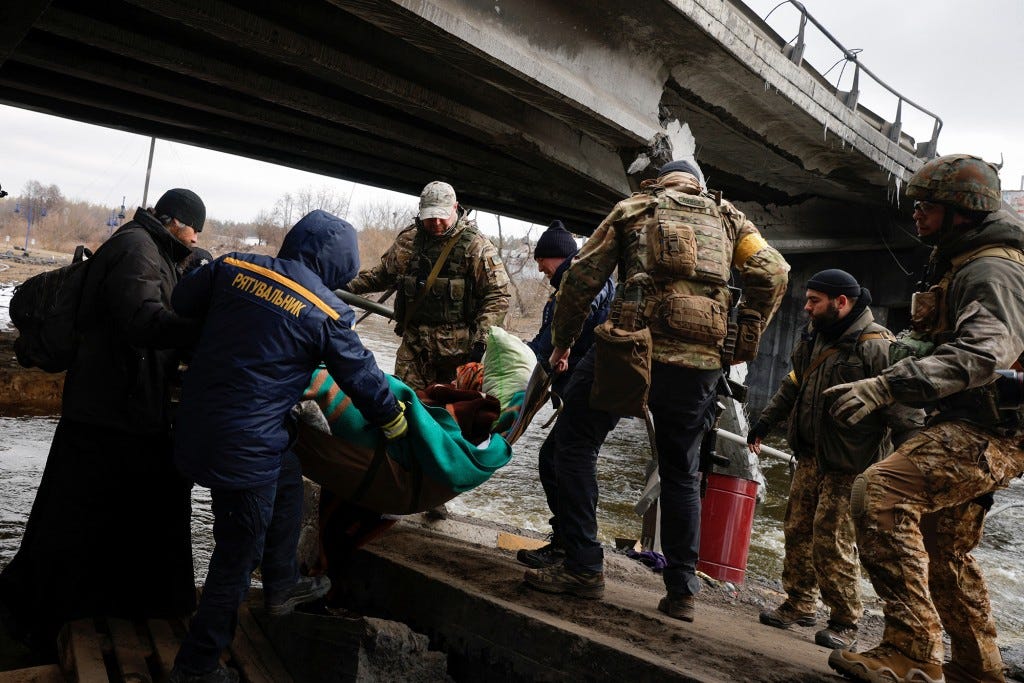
(984, 328)
(120, 378)
(267, 324)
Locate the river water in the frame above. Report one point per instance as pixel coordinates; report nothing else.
(514, 496)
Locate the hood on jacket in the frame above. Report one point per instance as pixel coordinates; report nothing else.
(999, 227)
(326, 245)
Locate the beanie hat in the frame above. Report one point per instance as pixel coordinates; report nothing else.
(684, 166)
(834, 282)
(185, 205)
(555, 242)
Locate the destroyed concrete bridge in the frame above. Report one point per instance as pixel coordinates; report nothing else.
(535, 110)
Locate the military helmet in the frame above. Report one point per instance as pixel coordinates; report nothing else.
(961, 180)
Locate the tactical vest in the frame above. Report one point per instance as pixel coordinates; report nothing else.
(450, 297)
(932, 321)
(675, 270)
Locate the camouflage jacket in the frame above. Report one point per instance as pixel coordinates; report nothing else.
(762, 268)
(860, 352)
(488, 281)
(980, 327)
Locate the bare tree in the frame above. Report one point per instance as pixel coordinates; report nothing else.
(387, 215)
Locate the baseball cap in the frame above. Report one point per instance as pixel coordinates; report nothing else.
(436, 200)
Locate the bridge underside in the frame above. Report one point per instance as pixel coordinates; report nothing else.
(533, 110)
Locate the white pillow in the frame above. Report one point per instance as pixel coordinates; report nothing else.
(508, 364)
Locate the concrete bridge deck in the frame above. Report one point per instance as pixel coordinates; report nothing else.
(530, 109)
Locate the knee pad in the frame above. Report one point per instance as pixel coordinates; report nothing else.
(858, 494)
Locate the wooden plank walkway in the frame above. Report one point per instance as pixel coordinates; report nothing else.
(111, 650)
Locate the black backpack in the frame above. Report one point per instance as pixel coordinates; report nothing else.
(45, 309)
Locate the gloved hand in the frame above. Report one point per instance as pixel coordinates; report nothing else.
(476, 354)
(856, 400)
(397, 426)
(757, 432)
(755, 435)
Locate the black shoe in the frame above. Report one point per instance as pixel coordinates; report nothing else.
(306, 589)
(784, 617)
(558, 579)
(837, 636)
(545, 556)
(221, 674)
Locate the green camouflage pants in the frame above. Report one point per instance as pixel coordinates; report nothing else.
(916, 528)
(820, 544)
(431, 354)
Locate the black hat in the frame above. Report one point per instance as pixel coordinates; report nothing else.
(185, 205)
(555, 242)
(683, 166)
(834, 282)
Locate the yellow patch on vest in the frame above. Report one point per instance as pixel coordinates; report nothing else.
(749, 245)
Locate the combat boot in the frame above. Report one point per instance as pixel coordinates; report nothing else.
(884, 664)
(678, 606)
(785, 616)
(837, 636)
(957, 673)
(558, 579)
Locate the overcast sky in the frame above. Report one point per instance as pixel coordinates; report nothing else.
(963, 61)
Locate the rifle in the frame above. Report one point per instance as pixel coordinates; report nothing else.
(383, 297)
(364, 303)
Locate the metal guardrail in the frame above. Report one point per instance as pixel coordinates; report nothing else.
(795, 52)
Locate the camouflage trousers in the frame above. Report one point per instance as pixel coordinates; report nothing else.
(917, 523)
(821, 551)
(431, 354)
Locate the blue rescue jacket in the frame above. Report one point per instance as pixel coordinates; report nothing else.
(541, 344)
(267, 324)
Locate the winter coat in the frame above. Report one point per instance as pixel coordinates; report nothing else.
(120, 377)
(983, 329)
(267, 323)
(541, 343)
(812, 431)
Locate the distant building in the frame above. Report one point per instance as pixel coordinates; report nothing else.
(1015, 198)
(251, 241)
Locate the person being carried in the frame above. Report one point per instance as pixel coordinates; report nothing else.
(841, 343)
(267, 324)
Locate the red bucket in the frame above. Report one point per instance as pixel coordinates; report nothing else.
(726, 520)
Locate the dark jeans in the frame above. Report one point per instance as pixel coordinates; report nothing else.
(568, 470)
(251, 528)
(681, 400)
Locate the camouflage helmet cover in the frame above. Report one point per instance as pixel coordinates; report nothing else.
(960, 180)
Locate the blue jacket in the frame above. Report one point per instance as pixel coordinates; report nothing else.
(541, 344)
(267, 324)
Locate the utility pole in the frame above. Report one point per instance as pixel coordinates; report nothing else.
(149, 169)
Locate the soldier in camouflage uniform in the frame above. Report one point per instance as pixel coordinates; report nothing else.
(674, 245)
(446, 326)
(920, 512)
(842, 343)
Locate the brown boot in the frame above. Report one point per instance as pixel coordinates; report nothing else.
(785, 616)
(884, 663)
(558, 579)
(678, 607)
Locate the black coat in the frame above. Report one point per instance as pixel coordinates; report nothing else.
(128, 352)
